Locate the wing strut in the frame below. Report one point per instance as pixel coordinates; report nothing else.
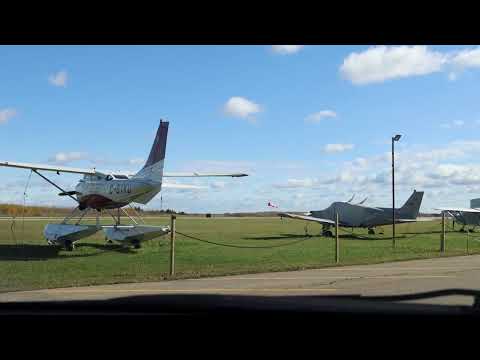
(51, 182)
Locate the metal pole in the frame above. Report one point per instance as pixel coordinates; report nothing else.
(337, 242)
(393, 197)
(172, 246)
(442, 238)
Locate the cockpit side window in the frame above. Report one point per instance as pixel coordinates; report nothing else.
(122, 177)
(109, 177)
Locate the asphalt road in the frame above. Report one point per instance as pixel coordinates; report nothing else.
(395, 278)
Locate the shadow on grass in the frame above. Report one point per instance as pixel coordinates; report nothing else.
(33, 252)
(107, 247)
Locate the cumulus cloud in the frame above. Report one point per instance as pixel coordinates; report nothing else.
(318, 116)
(63, 158)
(286, 49)
(6, 114)
(334, 148)
(381, 63)
(241, 107)
(59, 79)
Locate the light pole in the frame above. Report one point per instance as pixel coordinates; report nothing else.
(395, 138)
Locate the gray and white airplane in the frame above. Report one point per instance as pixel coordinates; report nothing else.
(362, 216)
(100, 190)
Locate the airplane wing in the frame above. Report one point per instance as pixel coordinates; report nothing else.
(196, 174)
(459, 209)
(48, 168)
(307, 218)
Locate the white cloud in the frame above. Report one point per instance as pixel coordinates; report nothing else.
(174, 185)
(452, 76)
(333, 148)
(241, 107)
(59, 79)
(381, 63)
(467, 58)
(64, 158)
(318, 116)
(298, 183)
(218, 185)
(6, 114)
(136, 161)
(286, 49)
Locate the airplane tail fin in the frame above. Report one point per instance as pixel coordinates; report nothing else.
(153, 168)
(411, 208)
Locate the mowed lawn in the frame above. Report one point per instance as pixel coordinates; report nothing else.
(27, 262)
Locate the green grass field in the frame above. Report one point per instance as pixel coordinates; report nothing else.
(27, 262)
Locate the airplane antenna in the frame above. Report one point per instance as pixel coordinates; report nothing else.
(351, 198)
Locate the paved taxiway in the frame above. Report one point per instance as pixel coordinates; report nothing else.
(394, 278)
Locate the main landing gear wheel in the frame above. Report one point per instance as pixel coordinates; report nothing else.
(371, 232)
(136, 244)
(327, 233)
(68, 245)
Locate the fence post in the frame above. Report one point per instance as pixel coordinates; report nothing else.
(337, 242)
(172, 245)
(467, 242)
(442, 237)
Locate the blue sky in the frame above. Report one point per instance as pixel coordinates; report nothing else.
(311, 124)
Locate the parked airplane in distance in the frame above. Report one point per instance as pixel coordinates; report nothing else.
(362, 216)
(103, 191)
(465, 216)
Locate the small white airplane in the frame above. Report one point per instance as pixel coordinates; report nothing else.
(465, 216)
(103, 191)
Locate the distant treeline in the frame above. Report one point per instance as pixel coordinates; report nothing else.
(14, 210)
